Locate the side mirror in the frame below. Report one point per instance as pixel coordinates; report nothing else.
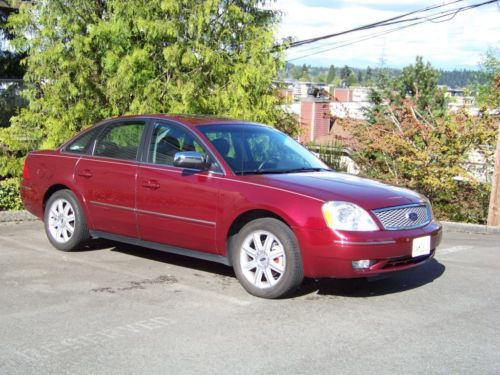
(190, 159)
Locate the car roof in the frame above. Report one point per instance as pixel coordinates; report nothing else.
(191, 120)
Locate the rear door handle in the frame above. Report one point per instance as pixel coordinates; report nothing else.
(85, 173)
(151, 184)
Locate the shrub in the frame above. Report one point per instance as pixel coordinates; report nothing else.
(467, 203)
(9, 195)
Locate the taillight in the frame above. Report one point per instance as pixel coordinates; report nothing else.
(26, 172)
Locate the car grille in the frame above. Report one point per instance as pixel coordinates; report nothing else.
(404, 217)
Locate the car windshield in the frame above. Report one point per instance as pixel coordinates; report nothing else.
(257, 149)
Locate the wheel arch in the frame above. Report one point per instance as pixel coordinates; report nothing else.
(64, 186)
(50, 191)
(244, 218)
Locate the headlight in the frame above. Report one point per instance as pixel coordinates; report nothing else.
(347, 216)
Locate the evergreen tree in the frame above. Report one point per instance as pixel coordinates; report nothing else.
(10, 102)
(296, 72)
(369, 75)
(347, 76)
(10, 61)
(417, 82)
(332, 73)
(345, 72)
(10, 68)
(89, 60)
(420, 81)
(304, 73)
(320, 77)
(10, 65)
(360, 77)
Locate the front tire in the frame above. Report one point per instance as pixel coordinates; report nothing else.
(266, 258)
(64, 221)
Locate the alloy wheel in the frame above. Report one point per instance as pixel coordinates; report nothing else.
(61, 220)
(262, 259)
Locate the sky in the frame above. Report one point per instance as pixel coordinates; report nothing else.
(456, 44)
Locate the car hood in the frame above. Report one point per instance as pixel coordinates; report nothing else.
(327, 186)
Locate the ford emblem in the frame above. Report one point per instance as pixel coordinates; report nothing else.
(413, 216)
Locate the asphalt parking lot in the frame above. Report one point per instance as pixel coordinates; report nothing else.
(116, 309)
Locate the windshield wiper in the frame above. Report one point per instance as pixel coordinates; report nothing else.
(256, 171)
(298, 170)
(281, 171)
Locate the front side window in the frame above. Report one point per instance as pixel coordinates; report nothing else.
(257, 149)
(120, 141)
(167, 140)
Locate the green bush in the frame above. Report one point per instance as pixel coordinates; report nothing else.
(467, 203)
(9, 195)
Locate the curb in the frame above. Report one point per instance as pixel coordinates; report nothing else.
(6, 216)
(448, 226)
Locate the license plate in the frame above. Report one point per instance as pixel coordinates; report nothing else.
(421, 246)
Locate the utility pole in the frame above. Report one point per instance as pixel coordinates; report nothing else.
(494, 210)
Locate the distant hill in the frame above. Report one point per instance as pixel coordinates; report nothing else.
(346, 75)
(458, 78)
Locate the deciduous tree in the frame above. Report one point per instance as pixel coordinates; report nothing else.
(488, 91)
(411, 140)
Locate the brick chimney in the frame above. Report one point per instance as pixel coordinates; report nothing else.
(314, 118)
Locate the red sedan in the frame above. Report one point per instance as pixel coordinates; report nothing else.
(238, 193)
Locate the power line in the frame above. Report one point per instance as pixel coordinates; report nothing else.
(355, 40)
(321, 46)
(451, 13)
(430, 18)
(398, 20)
(369, 26)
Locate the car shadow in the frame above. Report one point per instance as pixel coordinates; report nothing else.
(173, 259)
(391, 283)
(377, 286)
(95, 244)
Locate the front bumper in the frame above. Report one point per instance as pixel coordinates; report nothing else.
(327, 253)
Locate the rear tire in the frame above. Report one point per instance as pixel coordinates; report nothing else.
(266, 258)
(64, 221)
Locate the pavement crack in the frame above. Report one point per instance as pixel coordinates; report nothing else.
(141, 284)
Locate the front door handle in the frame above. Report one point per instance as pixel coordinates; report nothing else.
(151, 184)
(85, 173)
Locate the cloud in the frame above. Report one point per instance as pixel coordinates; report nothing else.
(457, 43)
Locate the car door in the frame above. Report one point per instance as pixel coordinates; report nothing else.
(107, 178)
(175, 206)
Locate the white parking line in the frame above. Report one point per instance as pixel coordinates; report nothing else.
(453, 249)
(106, 267)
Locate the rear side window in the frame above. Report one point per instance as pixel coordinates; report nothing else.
(120, 141)
(83, 143)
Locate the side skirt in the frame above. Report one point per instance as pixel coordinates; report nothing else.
(161, 247)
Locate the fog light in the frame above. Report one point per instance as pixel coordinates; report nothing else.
(362, 264)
